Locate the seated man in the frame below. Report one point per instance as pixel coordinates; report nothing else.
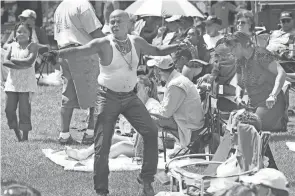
(223, 72)
(279, 40)
(181, 109)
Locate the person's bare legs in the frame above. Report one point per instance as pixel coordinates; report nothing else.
(122, 148)
(120, 145)
(118, 138)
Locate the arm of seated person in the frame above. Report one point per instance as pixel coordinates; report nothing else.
(172, 101)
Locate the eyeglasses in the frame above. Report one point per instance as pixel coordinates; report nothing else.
(241, 22)
(285, 21)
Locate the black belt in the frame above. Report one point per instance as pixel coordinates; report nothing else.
(114, 92)
(70, 46)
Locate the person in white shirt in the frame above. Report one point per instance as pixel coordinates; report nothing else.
(76, 24)
(213, 25)
(119, 58)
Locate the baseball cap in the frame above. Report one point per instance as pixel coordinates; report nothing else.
(268, 177)
(28, 13)
(286, 15)
(213, 20)
(162, 62)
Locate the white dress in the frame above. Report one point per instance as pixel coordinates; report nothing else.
(21, 80)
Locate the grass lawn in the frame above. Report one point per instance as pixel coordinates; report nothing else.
(25, 162)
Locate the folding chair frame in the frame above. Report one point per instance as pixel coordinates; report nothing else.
(181, 176)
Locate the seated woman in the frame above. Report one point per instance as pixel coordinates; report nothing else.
(259, 73)
(245, 23)
(147, 92)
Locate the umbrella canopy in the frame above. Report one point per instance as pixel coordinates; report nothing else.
(163, 8)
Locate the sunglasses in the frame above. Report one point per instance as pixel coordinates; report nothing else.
(241, 22)
(285, 21)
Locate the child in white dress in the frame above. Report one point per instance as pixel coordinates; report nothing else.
(21, 82)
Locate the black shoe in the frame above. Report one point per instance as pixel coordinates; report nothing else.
(101, 192)
(18, 134)
(68, 141)
(147, 189)
(87, 139)
(25, 135)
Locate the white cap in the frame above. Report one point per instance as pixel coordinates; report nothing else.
(162, 62)
(173, 18)
(27, 14)
(268, 177)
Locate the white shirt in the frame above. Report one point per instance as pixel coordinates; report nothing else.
(74, 21)
(211, 41)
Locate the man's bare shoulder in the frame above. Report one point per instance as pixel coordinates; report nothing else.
(101, 41)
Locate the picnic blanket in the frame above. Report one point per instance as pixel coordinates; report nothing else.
(121, 163)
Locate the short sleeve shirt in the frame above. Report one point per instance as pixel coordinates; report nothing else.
(74, 21)
(255, 76)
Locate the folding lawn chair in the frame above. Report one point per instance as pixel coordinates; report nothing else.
(183, 181)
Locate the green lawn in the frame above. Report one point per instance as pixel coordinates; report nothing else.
(26, 163)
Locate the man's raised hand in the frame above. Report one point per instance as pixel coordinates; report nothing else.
(50, 57)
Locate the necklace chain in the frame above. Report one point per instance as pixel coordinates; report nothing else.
(123, 50)
(122, 41)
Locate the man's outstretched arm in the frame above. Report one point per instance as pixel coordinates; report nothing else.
(148, 49)
(91, 48)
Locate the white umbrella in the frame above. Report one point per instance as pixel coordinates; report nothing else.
(163, 8)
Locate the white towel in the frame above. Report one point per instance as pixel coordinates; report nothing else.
(121, 163)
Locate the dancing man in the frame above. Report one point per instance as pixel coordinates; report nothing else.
(119, 57)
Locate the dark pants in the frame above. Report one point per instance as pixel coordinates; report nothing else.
(66, 117)
(12, 100)
(109, 105)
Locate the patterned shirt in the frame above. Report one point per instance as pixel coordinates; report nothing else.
(21, 80)
(254, 75)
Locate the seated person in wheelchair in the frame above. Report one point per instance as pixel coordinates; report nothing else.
(279, 40)
(181, 110)
(223, 73)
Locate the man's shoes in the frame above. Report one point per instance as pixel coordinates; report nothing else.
(67, 141)
(87, 139)
(101, 194)
(18, 134)
(25, 135)
(147, 189)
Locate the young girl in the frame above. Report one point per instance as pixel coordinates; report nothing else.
(21, 82)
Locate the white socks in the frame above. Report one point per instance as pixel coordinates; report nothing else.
(90, 132)
(64, 135)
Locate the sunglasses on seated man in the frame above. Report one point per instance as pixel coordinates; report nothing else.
(285, 21)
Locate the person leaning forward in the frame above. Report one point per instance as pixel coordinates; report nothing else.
(119, 57)
(76, 24)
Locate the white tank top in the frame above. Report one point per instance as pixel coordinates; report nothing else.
(117, 76)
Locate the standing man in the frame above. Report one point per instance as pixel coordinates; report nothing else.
(119, 57)
(76, 24)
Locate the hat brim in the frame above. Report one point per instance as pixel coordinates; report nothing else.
(23, 16)
(151, 63)
(286, 17)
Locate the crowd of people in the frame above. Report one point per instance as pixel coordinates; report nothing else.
(115, 69)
